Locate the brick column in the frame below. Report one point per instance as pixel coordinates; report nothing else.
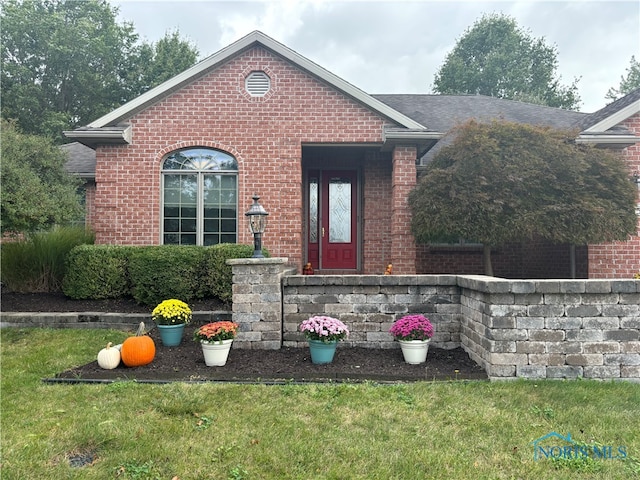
(257, 302)
(403, 179)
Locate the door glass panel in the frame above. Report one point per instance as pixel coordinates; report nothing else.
(340, 210)
(313, 210)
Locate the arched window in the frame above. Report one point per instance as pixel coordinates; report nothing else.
(200, 197)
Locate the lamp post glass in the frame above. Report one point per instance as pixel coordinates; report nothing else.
(257, 216)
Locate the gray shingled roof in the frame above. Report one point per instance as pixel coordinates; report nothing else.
(596, 117)
(81, 159)
(442, 112)
(438, 113)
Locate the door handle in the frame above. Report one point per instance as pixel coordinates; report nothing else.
(322, 232)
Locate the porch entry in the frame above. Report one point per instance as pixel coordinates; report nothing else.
(332, 219)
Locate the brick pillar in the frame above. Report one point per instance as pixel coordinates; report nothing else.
(403, 179)
(257, 302)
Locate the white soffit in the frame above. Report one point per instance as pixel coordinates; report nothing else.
(155, 94)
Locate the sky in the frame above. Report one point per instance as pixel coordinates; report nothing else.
(398, 46)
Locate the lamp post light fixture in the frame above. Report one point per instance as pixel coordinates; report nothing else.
(257, 216)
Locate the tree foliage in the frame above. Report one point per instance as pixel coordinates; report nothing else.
(504, 182)
(497, 58)
(160, 61)
(66, 63)
(37, 192)
(627, 84)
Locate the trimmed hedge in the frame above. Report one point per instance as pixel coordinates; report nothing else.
(151, 274)
(167, 271)
(97, 272)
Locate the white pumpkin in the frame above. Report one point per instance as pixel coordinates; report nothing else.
(109, 358)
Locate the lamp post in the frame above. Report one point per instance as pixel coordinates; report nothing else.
(257, 216)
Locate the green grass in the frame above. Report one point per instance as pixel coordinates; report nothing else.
(474, 430)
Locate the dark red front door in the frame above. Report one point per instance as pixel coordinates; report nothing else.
(332, 219)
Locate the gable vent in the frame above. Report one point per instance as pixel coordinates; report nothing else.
(258, 84)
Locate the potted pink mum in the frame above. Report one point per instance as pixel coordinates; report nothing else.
(413, 332)
(323, 334)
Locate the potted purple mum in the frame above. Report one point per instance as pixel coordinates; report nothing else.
(323, 334)
(413, 332)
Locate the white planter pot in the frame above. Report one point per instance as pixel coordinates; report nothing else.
(216, 353)
(415, 351)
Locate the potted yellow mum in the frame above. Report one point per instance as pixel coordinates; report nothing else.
(171, 316)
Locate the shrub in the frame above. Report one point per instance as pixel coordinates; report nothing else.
(166, 271)
(37, 264)
(218, 275)
(97, 271)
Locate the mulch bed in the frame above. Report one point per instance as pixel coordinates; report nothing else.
(58, 302)
(185, 363)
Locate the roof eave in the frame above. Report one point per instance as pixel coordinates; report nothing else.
(608, 141)
(255, 38)
(421, 138)
(616, 118)
(91, 137)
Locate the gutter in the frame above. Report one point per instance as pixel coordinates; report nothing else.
(91, 137)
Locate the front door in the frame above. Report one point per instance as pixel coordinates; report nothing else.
(332, 242)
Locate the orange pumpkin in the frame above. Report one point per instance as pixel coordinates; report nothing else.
(139, 350)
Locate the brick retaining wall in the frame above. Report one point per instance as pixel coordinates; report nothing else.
(552, 328)
(369, 304)
(512, 328)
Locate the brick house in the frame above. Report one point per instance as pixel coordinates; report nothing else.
(332, 165)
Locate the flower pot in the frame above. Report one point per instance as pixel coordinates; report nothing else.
(171, 335)
(216, 353)
(322, 352)
(414, 351)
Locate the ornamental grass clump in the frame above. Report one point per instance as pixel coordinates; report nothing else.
(412, 327)
(171, 312)
(325, 329)
(216, 332)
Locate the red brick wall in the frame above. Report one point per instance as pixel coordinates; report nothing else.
(377, 213)
(264, 134)
(620, 259)
(403, 180)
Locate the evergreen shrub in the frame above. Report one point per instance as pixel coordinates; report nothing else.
(97, 272)
(162, 272)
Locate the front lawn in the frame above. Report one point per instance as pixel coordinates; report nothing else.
(474, 430)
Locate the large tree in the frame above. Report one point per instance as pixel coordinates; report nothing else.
(627, 84)
(504, 182)
(37, 192)
(66, 63)
(495, 57)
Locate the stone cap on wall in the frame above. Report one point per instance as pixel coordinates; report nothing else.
(365, 280)
(256, 261)
(486, 284)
